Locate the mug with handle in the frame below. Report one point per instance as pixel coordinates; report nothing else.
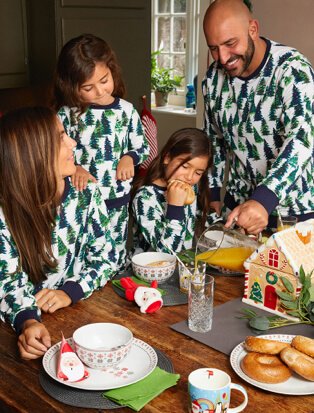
(210, 391)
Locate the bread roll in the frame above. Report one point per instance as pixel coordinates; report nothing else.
(190, 195)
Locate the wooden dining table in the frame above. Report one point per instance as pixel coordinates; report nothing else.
(20, 389)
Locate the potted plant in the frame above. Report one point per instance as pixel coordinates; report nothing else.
(161, 81)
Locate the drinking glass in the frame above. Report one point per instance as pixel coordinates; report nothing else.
(200, 303)
(285, 222)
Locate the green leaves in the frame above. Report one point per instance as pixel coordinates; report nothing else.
(301, 307)
(161, 78)
(288, 285)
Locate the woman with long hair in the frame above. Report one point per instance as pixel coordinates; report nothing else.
(55, 242)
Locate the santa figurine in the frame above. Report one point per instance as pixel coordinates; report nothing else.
(147, 298)
(70, 368)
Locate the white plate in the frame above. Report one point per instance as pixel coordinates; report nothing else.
(295, 386)
(141, 361)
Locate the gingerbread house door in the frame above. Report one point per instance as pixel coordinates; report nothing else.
(270, 297)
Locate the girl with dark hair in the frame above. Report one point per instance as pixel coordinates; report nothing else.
(161, 216)
(107, 129)
(55, 242)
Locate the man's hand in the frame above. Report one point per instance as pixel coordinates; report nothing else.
(81, 178)
(125, 168)
(34, 341)
(51, 300)
(250, 215)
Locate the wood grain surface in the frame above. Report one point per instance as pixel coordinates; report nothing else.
(20, 390)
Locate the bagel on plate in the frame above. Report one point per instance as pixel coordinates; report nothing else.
(298, 362)
(265, 368)
(303, 344)
(263, 345)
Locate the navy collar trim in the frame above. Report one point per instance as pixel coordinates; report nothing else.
(260, 67)
(112, 105)
(162, 188)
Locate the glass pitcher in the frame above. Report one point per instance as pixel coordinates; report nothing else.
(224, 248)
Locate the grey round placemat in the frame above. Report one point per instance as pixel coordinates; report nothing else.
(173, 295)
(89, 398)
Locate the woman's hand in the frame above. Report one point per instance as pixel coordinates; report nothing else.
(51, 300)
(176, 193)
(81, 177)
(34, 341)
(125, 168)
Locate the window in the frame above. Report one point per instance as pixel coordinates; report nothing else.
(273, 258)
(175, 27)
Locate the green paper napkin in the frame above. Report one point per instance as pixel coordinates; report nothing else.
(117, 283)
(138, 394)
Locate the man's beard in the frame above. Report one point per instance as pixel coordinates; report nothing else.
(246, 59)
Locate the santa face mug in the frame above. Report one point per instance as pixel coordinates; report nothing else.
(209, 391)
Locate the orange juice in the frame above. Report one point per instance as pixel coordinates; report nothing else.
(228, 258)
(283, 227)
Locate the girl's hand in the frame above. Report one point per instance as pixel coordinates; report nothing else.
(81, 178)
(176, 193)
(51, 300)
(34, 341)
(125, 168)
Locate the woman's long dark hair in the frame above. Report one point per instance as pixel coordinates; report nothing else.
(76, 64)
(29, 152)
(193, 143)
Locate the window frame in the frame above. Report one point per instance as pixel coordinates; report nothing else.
(191, 46)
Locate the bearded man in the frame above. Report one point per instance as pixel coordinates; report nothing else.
(259, 104)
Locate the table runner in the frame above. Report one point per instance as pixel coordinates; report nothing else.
(228, 330)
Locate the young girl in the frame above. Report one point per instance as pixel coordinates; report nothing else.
(159, 209)
(107, 129)
(55, 242)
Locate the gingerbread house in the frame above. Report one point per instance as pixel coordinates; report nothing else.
(282, 255)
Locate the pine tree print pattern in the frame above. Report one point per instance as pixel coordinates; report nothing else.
(152, 227)
(119, 218)
(82, 244)
(103, 135)
(268, 129)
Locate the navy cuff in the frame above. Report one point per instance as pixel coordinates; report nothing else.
(74, 291)
(175, 212)
(134, 156)
(215, 194)
(22, 317)
(266, 197)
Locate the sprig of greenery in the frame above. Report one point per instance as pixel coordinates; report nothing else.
(301, 307)
(161, 79)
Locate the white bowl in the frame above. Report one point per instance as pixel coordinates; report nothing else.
(101, 345)
(142, 269)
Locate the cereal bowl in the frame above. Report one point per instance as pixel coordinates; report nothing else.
(150, 266)
(102, 345)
